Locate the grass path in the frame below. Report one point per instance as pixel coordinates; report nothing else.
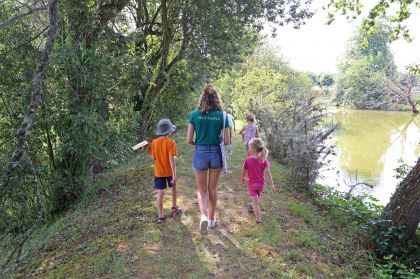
(117, 237)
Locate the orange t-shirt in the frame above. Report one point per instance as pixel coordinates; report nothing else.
(161, 149)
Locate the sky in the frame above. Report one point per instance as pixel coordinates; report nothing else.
(316, 47)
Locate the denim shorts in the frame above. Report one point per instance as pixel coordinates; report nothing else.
(207, 157)
(161, 182)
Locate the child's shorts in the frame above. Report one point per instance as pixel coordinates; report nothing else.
(255, 190)
(162, 182)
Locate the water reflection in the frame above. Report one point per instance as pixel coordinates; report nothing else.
(369, 145)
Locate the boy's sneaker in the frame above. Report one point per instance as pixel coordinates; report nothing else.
(212, 224)
(204, 225)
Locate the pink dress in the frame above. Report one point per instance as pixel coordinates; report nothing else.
(255, 170)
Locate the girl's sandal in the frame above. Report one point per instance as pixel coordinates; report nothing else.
(176, 210)
(161, 219)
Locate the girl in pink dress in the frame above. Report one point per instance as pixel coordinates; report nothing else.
(255, 167)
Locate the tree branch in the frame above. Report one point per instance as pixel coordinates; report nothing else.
(36, 96)
(27, 42)
(19, 16)
(185, 41)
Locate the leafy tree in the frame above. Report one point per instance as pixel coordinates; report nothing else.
(402, 86)
(361, 88)
(365, 70)
(397, 11)
(374, 47)
(109, 57)
(403, 208)
(327, 80)
(290, 111)
(214, 33)
(261, 80)
(322, 79)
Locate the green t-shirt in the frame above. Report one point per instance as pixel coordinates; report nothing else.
(207, 126)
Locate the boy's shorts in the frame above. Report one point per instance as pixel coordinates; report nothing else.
(207, 157)
(162, 182)
(255, 190)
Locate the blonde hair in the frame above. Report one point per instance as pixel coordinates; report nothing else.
(250, 117)
(259, 146)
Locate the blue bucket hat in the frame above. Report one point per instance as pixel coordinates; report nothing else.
(164, 127)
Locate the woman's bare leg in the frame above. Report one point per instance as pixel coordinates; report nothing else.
(213, 181)
(201, 180)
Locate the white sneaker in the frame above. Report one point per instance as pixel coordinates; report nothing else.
(212, 224)
(204, 224)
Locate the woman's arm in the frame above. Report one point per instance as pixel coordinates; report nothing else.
(190, 134)
(257, 133)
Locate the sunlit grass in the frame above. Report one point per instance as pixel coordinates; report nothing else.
(116, 236)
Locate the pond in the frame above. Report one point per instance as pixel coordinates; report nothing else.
(369, 147)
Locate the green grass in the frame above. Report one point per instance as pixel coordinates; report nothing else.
(116, 236)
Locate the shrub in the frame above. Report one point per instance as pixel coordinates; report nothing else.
(296, 139)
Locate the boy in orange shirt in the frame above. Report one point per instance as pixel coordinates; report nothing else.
(163, 152)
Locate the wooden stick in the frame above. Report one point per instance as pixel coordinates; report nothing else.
(140, 145)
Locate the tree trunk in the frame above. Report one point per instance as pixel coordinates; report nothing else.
(147, 110)
(23, 131)
(404, 206)
(412, 105)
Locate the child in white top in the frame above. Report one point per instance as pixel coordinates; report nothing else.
(249, 131)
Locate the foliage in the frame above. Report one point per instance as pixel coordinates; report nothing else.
(261, 80)
(365, 69)
(374, 47)
(395, 255)
(295, 138)
(356, 210)
(397, 11)
(402, 169)
(361, 88)
(393, 269)
(116, 67)
(327, 80)
(323, 79)
(288, 111)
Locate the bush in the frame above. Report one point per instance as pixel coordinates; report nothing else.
(296, 139)
(395, 256)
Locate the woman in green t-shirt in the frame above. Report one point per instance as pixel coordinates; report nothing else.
(207, 123)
